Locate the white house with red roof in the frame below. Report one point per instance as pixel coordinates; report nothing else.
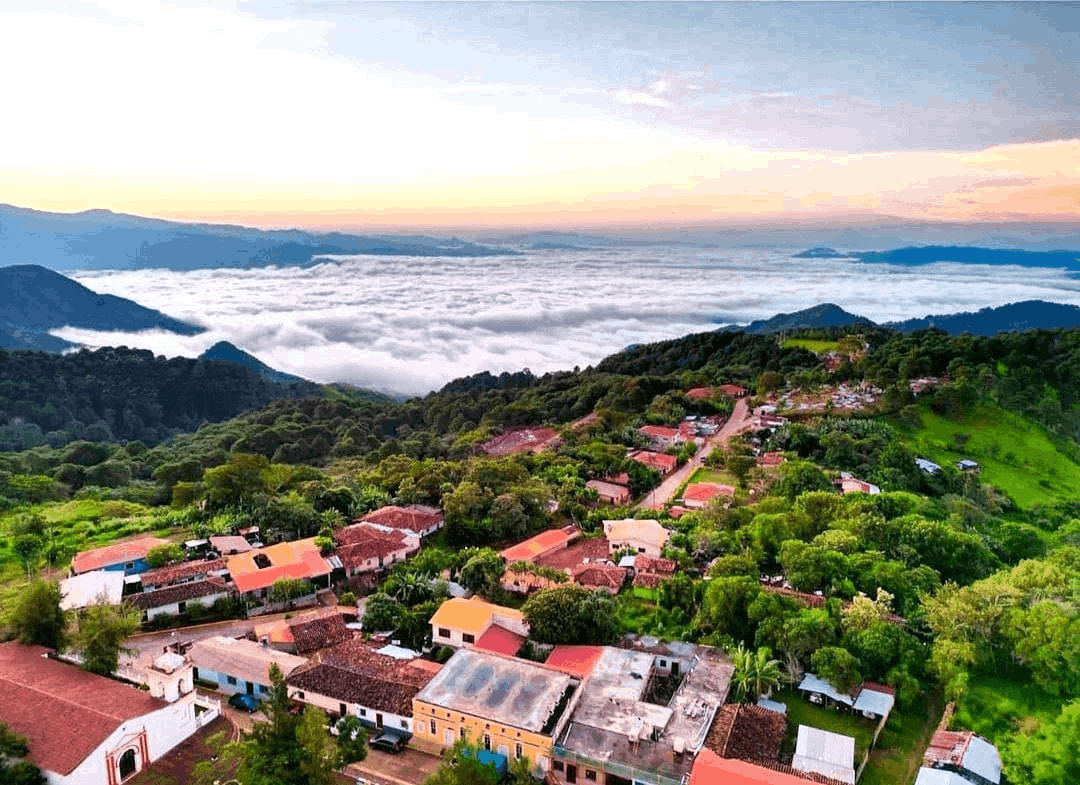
(365, 547)
(85, 729)
(412, 519)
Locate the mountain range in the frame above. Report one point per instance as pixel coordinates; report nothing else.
(931, 254)
(1027, 315)
(102, 239)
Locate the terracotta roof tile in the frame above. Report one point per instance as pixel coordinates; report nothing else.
(748, 733)
(660, 461)
(62, 710)
(500, 640)
(599, 576)
(313, 632)
(414, 517)
(181, 592)
(163, 576)
(541, 544)
(572, 659)
(298, 559)
(521, 440)
(591, 548)
(117, 553)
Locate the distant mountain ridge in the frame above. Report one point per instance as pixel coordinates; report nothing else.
(101, 239)
(932, 254)
(223, 350)
(1026, 315)
(34, 300)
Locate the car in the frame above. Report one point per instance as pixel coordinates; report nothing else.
(244, 703)
(388, 742)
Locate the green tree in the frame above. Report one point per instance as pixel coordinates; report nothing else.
(12, 770)
(28, 548)
(837, 666)
(352, 740)
(482, 573)
(237, 481)
(571, 614)
(160, 555)
(461, 766)
(1051, 755)
(756, 674)
(288, 749)
(285, 589)
(36, 616)
(102, 630)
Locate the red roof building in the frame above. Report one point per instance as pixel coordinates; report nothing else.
(364, 547)
(500, 640)
(121, 553)
(701, 393)
(577, 661)
(734, 390)
(81, 727)
(699, 494)
(662, 462)
(609, 492)
(711, 769)
(604, 577)
(256, 571)
(541, 545)
(659, 435)
(771, 459)
(416, 518)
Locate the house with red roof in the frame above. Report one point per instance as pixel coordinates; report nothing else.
(660, 461)
(699, 494)
(609, 492)
(416, 519)
(701, 393)
(256, 571)
(541, 545)
(734, 391)
(661, 437)
(711, 769)
(305, 632)
(85, 729)
(602, 577)
(365, 547)
(129, 557)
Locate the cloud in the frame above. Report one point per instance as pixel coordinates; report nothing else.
(410, 325)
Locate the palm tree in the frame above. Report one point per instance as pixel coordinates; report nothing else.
(755, 673)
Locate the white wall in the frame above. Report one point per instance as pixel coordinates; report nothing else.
(165, 728)
(174, 609)
(366, 713)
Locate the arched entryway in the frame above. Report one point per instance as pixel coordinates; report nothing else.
(128, 764)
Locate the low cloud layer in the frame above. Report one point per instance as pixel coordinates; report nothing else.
(410, 325)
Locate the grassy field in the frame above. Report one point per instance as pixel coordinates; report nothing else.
(812, 345)
(998, 706)
(1014, 454)
(705, 474)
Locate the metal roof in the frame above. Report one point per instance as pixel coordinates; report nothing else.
(879, 703)
(812, 683)
(776, 706)
(929, 776)
(824, 752)
(982, 759)
(89, 587)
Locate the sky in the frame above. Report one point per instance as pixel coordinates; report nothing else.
(355, 115)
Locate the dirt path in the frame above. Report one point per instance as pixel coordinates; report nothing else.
(659, 496)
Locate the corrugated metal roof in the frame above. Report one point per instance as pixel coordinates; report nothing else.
(939, 777)
(812, 683)
(824, 752)
(879, 703)
(982, 758)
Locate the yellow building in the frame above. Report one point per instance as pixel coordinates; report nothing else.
(461, 622)
(510, 706)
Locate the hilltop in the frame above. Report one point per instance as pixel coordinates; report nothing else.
(223, 350)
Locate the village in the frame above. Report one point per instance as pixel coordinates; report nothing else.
(643, 711)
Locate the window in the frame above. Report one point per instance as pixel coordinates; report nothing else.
(263, 688)
(130, 566)
(127, 764)
(433, 728)
(517, 751)
(558, 765)
(230, 679)
(405, 724)
(363, 712)
(641, 550)
(299, 695)
(462, 732)
(342, 710)
(663, 663)
(468, 638)
(443, 632)
(487, 742)
(590, 775)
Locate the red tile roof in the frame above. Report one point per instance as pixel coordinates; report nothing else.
(181, 592)
(734, 390)
(599, 576)
(947, 747)
(310, 631)
(414, 517)
(748, 733)
(609, 490)
(659, 432)
(163, 576)
(706, 491)
(771, 459)
(662, 462)
(591, 548)
(577, 661)
(543, 543)
(701, 393)
(500, 640)
(63, 711)
(643, 563)
(360, 542)
(299, 559)
(811, 600)
(711, 769)
(117, 553)
(648, 580)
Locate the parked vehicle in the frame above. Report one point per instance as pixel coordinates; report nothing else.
(388, 742)
(244, 703)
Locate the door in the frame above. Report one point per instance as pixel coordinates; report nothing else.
(674, 668)
(127, 764)
(448, 738)
(250, 688)
(571, 773)
(378, 721)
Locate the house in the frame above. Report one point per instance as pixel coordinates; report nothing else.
(847, 484)
(352, 678)
(85, 729)
(699, 494)
(365, 547)
(927, 466)
(176, 599)
(230, 545)
(660, 437)
(575, 660)
(305, 632)
(127, 557)
(500, 640)
(749, 733)
(460, 622)
(967, 465)
(540, 545)
(959, 758)
(874, 701)
(618, 724)
(711, 769)
(609, 492)
(734, 391)
(660, 461)
(820, 691)
(770, 459)
(90, 588)
(254, 572)
(239, 665)
(512, 707)
(822, 752)
(413, 519)
(602, 577)
(649, 573)
(183, 572)
(636, 535)
(700, 393)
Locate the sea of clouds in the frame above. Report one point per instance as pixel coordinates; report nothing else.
(409, 325)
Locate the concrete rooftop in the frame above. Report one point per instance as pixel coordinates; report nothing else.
(503, 690)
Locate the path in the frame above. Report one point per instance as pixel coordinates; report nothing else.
(659, 496)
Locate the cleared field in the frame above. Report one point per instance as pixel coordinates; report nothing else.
(813, 345)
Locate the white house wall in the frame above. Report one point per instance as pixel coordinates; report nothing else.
(174, 609)
(366, 713)
(165, 728)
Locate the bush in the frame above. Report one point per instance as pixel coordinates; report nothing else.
(347, 598)
(443, 653)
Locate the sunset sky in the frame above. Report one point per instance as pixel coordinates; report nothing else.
(364, 114)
